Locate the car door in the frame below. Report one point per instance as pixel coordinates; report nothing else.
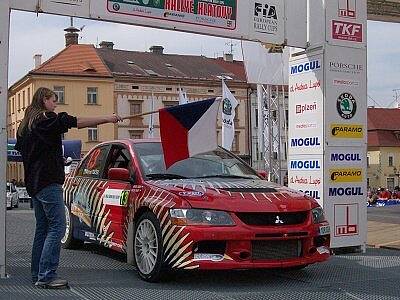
(84, 194)
(116, 198)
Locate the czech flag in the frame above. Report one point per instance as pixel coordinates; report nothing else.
(189, 129)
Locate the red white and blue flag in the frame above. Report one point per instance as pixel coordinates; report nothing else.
(189, 129)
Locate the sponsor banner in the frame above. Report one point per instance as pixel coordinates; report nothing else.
(306, 108)
(346, 220)
(306, 99)
(344, 131)
(351, 157)
(348, 96)
(346, 23)
(346, 106)
(305, 174)
(222, 14)
(116, 197)
(346, 82)
(255, 20)
(346, 175)
(347, 31)
(335, 191)
(302, 164)
(305, 142)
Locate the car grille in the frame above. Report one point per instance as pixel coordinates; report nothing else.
(273, 219)
(264, 250)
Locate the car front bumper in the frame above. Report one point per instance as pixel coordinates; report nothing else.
(246, 247)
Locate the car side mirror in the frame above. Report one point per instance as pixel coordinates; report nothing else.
(263, 174)
(121, 174)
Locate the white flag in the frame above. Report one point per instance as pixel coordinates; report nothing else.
(182, 97)
(229, 104)
(151, 120)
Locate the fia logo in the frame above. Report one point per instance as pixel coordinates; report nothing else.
(278, 220)
(265, 11)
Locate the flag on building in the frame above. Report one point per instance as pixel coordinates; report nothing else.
(151, 120)
(183, 99)
(189, 129)
(229, 104)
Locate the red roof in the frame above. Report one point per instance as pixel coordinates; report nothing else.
(383, 127)
(77, 60)
(383, 118)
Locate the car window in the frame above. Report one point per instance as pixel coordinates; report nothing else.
(119, 157)
(214, 163)
(93, 164)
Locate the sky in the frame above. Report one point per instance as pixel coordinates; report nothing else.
(43, 34)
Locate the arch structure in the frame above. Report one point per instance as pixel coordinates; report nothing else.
(294, 23)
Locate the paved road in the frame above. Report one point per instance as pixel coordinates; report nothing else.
(387, 214)
(95, 273)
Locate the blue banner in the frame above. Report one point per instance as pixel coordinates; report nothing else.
(71, 148)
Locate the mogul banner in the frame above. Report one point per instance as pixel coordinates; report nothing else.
(306, 105)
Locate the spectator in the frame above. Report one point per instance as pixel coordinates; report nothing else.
(396, 193)
(384, 194)
(39, 142)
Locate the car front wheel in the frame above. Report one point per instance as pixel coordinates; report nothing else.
(148, 247)
(68, 241)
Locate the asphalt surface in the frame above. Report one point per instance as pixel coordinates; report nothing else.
(386, 214)
(96, 273)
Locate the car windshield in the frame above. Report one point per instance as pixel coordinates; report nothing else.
(217, 163)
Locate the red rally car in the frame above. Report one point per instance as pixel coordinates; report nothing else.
(211, 211)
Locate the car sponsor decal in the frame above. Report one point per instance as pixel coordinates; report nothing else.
(115, 197)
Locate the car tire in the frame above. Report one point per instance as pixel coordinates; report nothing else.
(68, 241)
(147, 237)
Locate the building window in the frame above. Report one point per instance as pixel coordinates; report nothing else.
(23, 99)
(236, 119)
(256, 117)
(13, 105)
(367, 161)
(136, 134)
(92, 95)
(60, 93)
(9, 106)
(390, 161)
(136, 107)
(390, 183)
(368, 183)
(19, 101)
(235, 143)
(92, 134)
(170, 103)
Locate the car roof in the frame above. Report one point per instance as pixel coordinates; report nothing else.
(131, 141)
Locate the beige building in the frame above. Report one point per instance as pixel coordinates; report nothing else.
(383, 148)
(93, 81)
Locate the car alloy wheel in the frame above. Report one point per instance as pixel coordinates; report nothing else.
(67, 225)
(68, 241)
(148, 247)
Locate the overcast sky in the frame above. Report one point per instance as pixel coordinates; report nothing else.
(44, 35)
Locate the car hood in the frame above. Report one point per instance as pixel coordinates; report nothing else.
(237, 195)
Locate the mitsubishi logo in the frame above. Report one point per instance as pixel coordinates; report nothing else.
(278, 220)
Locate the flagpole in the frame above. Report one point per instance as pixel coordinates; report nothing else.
(140, 115)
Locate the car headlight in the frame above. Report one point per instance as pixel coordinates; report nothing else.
(318, 215)
(184, 217)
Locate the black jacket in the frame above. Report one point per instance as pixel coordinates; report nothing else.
(42, 152)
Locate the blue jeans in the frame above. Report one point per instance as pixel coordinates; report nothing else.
(50, 228)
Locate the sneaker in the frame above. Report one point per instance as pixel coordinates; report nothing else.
(56, 283)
